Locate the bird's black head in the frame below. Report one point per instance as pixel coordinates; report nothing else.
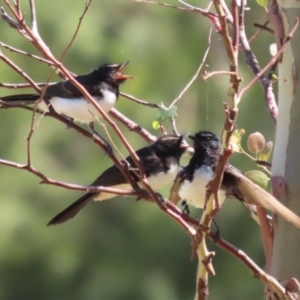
(171, 144)
(112, 73)
(206, 141)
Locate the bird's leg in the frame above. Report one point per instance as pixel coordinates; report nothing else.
(92, 126)
(107, 144)
(185, 208)
(70, 121)
(161, 198)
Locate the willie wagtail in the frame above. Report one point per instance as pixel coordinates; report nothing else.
(190, 184)
(160, 162)
(102, 83)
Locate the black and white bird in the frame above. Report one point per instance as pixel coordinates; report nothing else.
(190, 184)
(160, 162)
(102, 84)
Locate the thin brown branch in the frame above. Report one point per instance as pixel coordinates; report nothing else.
(189, 8)
(29, 136)
(18, 7)
(197, 72)
(23, 85)
(6, 18)
(132, 126)
(142, 102)
(231, 50)
(33, 16)
(174, 127)
(87, 6)
(19, 71)
(215, 73)
(70, 186)
(237, 19)
(12, 49)
(255, 35)
(261, 28)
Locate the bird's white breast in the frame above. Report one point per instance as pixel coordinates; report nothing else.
(156, 182)
(194, 192)
(81, 109)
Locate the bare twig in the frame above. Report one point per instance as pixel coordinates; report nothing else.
(261, 28)
(197, 72)
(132, 126)
(31, 131)
(6, 18)
(70, 186)
(23, 85)
(87, 6)
(174, 127)
(142, 102)
(189, 8)
(33, 16)
(12, 49)
(215, 73)
(19, 71)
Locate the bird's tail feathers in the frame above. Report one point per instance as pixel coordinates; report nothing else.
(72, 210)
(253, 194)
(22, 98)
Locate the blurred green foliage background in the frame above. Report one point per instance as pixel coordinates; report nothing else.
(120, 249)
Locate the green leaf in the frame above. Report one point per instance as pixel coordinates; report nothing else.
(266, 152)
(155, 125)
(259, 178)
(262, 2)
(235, 140)
(166, 114)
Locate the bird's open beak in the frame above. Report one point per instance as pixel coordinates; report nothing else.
(119, 75)
(192, 137)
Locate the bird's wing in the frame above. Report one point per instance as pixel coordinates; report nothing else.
(113, 176)
(66, 89)
(253, 194)
(110, 177)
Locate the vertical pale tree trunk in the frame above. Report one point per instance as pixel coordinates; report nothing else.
(286, 160)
